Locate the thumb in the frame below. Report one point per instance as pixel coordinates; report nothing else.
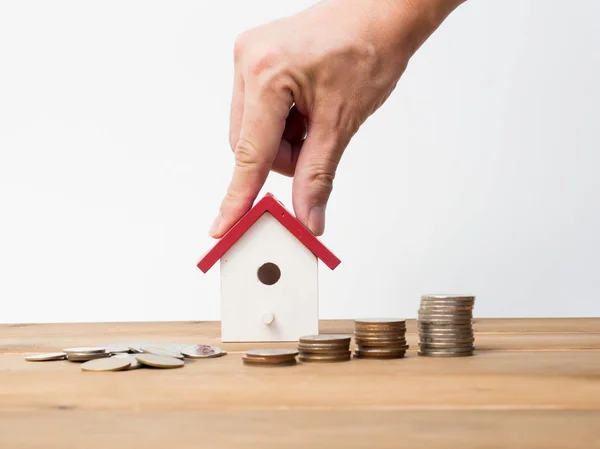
(314, 175)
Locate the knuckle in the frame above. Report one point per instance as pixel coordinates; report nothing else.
(240, 45)
(322, 179)
(263, 62)
(246, 154)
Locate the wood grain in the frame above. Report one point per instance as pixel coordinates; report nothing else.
(379, 429)
(534, 387)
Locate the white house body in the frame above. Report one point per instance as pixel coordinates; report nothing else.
(269, 275)
(290, 293)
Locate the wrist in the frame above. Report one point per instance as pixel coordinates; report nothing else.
(412, 21)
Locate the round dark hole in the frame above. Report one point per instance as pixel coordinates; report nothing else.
(269, 273)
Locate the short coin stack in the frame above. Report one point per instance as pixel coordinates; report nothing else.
(445, 326)
(324, 348)
(380, 338)
(270, 357)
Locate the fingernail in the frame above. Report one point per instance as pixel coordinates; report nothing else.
(215, 226)
(316, 220)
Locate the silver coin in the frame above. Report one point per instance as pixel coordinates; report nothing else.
(424, 339)
(444, 354)
(457, 329)
(444, 302)
(84, 357)
(449, 350)
(381, 321)
(159, 361)
(115, 348)
(326, 339)
(444, 322)
(85, 350)
(134, 364)
(452, 307)
(106, 364)
(161, 350)
(48, 357)
(175, 347)
(451, 316)
(444, 345)
(202, 351)
(136, 348)
(272, 352)
(445, 297)
(442, 311)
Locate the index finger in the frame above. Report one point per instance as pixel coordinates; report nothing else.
(263, 123)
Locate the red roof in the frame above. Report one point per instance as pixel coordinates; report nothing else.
(268, 204)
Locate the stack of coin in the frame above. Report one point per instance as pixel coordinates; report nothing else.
(380, 338)
(324, 348)
(445, 326)
(85, 354)
(270, 357)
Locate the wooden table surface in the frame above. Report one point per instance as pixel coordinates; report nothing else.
(533, 383)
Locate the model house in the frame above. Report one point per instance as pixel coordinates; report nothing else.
(269, 277)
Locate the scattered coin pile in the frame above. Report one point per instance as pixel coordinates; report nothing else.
(126, 357)
(445, 326)
(324, 348)
(379, 338)
(270, 357)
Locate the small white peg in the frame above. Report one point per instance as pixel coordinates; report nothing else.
(268, 318)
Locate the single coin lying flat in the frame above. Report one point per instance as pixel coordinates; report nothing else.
(49, 357)
(163, 350)
(106, 364)
(85, 350)
(84, 356)
(134, 364)
(115, 348)
(159, 361)
(202, 351)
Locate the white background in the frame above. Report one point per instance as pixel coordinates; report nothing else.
(480, 174)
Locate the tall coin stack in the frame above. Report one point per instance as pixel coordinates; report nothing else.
(380, 338)
(324, 348)
(445, 326)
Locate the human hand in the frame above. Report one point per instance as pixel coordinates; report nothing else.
(303, 85)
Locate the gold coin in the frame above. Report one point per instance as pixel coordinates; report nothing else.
(106, 364)
(324, 358)
(380, 345)
(312, 350)
(159, 361)
(261, 361)
(384, 355)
